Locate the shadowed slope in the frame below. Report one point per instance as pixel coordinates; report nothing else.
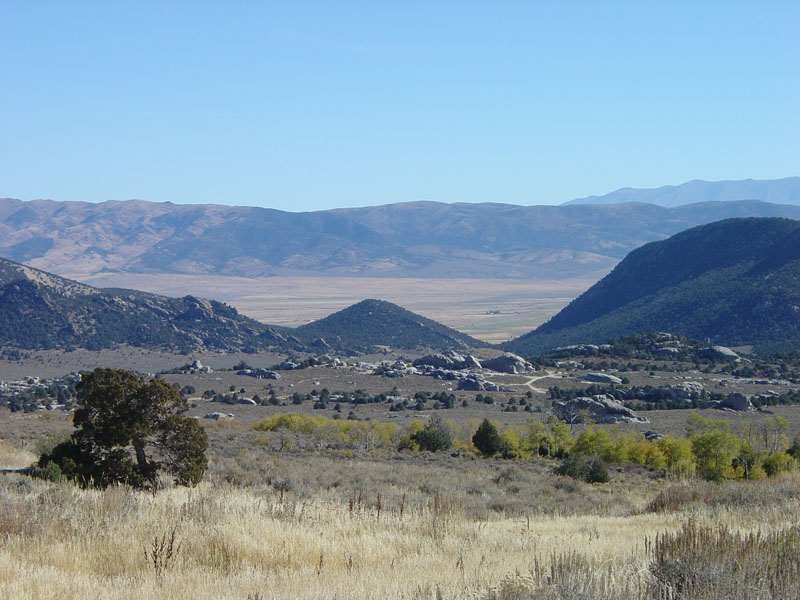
(735, 282)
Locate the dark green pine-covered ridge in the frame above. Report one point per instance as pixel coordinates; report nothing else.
(372, 322)
(39, 310)
(734, 282)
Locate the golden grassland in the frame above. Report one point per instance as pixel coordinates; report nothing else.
(306, 524)
(233, 542)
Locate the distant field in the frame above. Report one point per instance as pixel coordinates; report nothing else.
(494, 310)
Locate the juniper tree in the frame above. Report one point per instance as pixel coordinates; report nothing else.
(436, 435)
(486, 438)
(127, 430)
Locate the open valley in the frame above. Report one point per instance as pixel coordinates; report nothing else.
(493, 310)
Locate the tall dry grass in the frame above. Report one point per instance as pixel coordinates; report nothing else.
(285, 541)
(14, 458)
(310, 524)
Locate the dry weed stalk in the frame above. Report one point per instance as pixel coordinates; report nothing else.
(163, 551)
(354, 502)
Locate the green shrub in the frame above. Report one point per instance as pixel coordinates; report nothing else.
(49, 472)
(597, 471)
(778, 463)
(590, 470)
(435, 436)
(486, 439)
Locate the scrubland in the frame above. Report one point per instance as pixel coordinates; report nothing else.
(327, 524)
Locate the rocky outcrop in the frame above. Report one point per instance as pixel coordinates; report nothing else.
(216, 416)
(470, 362)
(397, 368)
(719, 353)
(259, 373)
(737, 402)
(685, 391)
(570, 365)
(445, 360)
(508, 363)
(667, 351)
(192, 368)
(579, 349)
(600, 409)
(503, 363)
(477, 383)
(601, 378)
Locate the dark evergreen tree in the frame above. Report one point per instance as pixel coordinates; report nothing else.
(435, 436)
(487, 439)
(127, 431)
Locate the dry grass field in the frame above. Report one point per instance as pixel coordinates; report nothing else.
(493, 310)
(283, 516)
(318, 524)
(322, 526)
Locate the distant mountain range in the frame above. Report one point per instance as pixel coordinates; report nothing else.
(419, 239)
(733, 282)
(777, 191)
(39, 310)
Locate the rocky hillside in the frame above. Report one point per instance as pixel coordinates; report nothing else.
(39, 310)
(376, 322)
(419, 239)
(734, 282)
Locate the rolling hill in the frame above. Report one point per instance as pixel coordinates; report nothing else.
(39, 310)
(734, 282)
(372, 322)
(419, 239)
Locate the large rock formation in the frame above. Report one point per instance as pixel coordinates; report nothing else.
(508, 363)
(685, 391)
(444, 360)
(601, 378)
(719, 353)
(477, 383)
(737, 402)
(600, 409)
(503, 363)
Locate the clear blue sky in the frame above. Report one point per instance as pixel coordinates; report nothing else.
(313, 105)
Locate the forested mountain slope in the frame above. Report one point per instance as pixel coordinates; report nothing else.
(735, 282)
